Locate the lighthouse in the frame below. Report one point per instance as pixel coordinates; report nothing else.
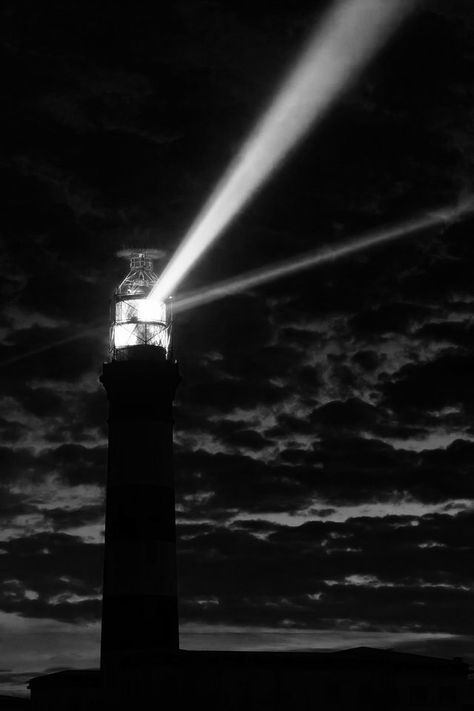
(140, 613)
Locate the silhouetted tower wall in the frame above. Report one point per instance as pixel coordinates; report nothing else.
(140, 611)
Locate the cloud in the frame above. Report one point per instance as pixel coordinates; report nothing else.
(51, 575)
(379, 574)
(445, 381)
(74, 464)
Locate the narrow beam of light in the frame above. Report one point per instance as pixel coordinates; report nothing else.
(344, 42)
(436, 218)
(77, 336)
(308, 260)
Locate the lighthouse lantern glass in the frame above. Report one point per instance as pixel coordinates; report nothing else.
(137, 319)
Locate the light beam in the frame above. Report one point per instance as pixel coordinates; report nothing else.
(438, 218)
(77, 336)
(339, 49)
(441, 217)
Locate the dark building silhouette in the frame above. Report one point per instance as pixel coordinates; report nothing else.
(13, 703)
(358, 678)
(141, 664)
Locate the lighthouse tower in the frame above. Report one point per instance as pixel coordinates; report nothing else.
(139, 593)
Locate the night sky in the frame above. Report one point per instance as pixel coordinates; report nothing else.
(324, 437)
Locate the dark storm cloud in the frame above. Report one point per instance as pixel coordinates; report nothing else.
(224, 395)
(390, 318)
(338, 470)
(12, 505)
(444, 274)
(75, 612)
(448, 470)
(30, 354)
(354, 470)
(239, 482)
(389, 572)
(62, 518)
(420, 579)
(11, 432)
(443, 382)
(77, 464)
(351, 414)
(249, 330)
(368, 360)
(17, 462)
(40, 402)
(355, 416)
(287, 424)
(86, 422)
(237, 367)
(235, 433)
(455, 334)
(43, 573)
(382, 609)
(74, 464)
(249, 439)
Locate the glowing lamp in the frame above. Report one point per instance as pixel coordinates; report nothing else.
(138, 320)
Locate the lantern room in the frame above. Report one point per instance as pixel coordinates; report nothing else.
(136, 319)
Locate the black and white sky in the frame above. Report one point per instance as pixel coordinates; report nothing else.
(324, 437)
